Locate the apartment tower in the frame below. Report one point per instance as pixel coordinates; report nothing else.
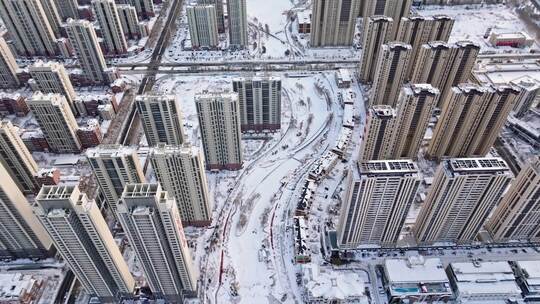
(376, 33)
(333, 23)
(419, 30)
(219, 121)
(203, 26)
(378, 197)
(471, 120)
(51, 77)
(21, 236)
(16, 158)
(29, 27)
(218, 5)
(378, 133)
(114, 166)
(181, 172)
(83, 239)
(129, 20)
(145, 8)
(151, 221)
(161, 118)
(8, 67)
(51, 12)
(518, 214)
(415, 108)
(83, 38)
(530, 87)
(260, 103)
(111, 27)
(56, 121)
(390, 73)
(67, 9)
(238, 34)
(463, 194)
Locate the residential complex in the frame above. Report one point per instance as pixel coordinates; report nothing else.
(151, 221)
(333, 23)
(161, 119)
(390, 73)
(180, 171)
(83, 39)
(378, 197)
(376, 34)
(8, 67)
(21, 236)
(203, 26)
(260, 103)
(471, 119)
(51, 77)
(29, 27)
(219, 122)
(114, 166)
(16, 158)
(463, 194)
(57, 122)
(83, 239)
(238, 24)
(517, 216)
(111, 27)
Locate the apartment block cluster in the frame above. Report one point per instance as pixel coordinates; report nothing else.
(63, 29)
(417, 78)
(206, 21)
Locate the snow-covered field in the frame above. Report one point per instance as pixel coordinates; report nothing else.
(472, 22)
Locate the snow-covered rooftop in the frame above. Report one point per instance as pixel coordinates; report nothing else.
(415, 269)
(333, 285)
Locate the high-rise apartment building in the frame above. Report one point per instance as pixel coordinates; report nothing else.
(83, 38)
(29, 27)
(463, 194)
(260, 103)
(445, 66)
(145, 8)
(395, 9)
(378, 197)
(16, 158)
(238, 35)
(161, 119)
(378, 133)
(376, 33)
(51, 12)
(128, 20)
(51, 77)
(151, 221)
(530, 88)
(84, 241)
(181, 172)
(114, 166)
(57, 122)
(111, 27)
(219, 122)
(67, 9)
(390, 73)
(471, 120)
(419, 30)
(203, 26)
(218, 5)
(21, 236)
(8, 67)
(518, 214)
(333, 23)
(414, 110)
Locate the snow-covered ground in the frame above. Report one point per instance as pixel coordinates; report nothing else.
(254, 204)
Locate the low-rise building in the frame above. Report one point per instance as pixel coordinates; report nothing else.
(343, 79)
(488, 282)
(90, 135)
(516, 40)
(326, 285)
(13, 103)
(416, 280)
(18, 288)
(528, 278)
(48, 177)
(302, 252)
(304, 21)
